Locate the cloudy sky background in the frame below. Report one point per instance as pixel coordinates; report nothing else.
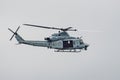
(99, 18)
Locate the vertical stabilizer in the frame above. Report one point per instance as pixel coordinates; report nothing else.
(19, 38)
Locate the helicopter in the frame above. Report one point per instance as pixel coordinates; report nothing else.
(60, 41)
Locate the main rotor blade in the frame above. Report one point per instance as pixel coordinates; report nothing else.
(42, 26)
(62, 29)
(72, 30)
(68, 28)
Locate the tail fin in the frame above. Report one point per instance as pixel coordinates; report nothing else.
(17, 36)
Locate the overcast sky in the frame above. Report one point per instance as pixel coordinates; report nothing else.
(99, 18)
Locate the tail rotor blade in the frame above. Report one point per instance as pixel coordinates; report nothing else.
(12, 36)
(10, 30)
(17, 29)
(14, 33)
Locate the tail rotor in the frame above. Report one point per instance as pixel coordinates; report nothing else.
(14, 33)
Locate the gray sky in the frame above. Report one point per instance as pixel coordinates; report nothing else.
(23, 62)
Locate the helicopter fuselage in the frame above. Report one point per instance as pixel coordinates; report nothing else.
(66, 44)
(59, 41)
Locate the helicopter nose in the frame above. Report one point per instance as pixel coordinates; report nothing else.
(86, 45)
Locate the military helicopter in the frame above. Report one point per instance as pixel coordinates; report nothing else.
(60, 41)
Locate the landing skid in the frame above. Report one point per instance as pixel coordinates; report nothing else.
(70, 50)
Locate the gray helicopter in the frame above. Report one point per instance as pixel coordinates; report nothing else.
(60, 41)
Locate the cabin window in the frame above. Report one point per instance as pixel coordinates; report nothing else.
(67, 44)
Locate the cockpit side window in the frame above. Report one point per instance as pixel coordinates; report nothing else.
(81, 41)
